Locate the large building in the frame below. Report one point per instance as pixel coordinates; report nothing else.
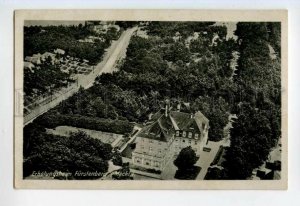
(166, 134)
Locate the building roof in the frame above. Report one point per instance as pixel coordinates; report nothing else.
(59, 51)
(163, 127)
(28, 65)
(34, 59)
(161, 130)
(188, 122)
(48, 54)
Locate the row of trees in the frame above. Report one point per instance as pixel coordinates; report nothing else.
(52, 120)
(258, 100)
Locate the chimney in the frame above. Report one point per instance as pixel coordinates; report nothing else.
(166, 110)
(167, 107)
(178, 107)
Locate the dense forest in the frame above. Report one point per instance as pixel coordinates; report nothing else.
(257, 99)
(38, 39)
(190, 62)
(161, 67)
(49, 153)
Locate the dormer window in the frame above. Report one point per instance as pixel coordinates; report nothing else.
(196, 136)
(177, 133)
(190, 134)
(184, 134)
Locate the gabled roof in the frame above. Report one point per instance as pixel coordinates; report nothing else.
(183, 120)
(163, 127)
(188, 122)
(161, 130)
(200, 119)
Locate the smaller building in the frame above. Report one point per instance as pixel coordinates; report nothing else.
(35, 59)
(29, 65)
(59, 51)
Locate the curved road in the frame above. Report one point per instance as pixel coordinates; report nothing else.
(114, 53)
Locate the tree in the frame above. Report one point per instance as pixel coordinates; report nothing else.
(186, 158)
(257, 128)
(216, 110)
(117, 158)
(177, 51)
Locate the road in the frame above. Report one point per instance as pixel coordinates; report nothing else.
(116, 51)
(113, 54)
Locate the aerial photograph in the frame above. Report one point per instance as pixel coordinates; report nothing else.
(151, 100)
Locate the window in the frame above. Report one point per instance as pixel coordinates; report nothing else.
(177, 133)
(147, 162)
(183, 133)
(190, 141)
(196, 136)
(190, 134)
(183, 140)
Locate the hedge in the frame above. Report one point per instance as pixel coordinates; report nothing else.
(93, 123)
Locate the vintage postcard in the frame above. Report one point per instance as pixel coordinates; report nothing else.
(151, 99)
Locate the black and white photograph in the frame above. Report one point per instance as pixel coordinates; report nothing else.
(157, 101)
